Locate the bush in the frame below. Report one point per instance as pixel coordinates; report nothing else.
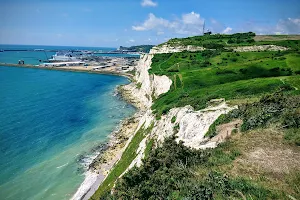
(160, 173)
(272, 108)
(167, 173)
(233, 59)
(173, 120)
(213, 46)
(292, 119)
(225, 71)
(293, 136)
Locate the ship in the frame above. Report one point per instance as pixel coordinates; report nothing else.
(66, 56)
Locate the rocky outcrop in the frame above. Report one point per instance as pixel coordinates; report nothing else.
(190, 126)
(179, 48)
(258, 48)
(173, 49)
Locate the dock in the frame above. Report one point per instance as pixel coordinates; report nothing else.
(70, 69)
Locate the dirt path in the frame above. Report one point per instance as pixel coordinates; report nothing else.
(276, 38)
(224, 131)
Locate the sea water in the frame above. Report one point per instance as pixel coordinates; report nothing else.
(49, 120)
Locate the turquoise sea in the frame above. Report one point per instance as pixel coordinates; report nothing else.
(50, 122)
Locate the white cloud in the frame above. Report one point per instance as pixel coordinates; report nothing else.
(148, 3)
(152, 22)
(189, 24)
(227, 30)
(288, 26)
(192, 18)
(283, 26)
(131, 40)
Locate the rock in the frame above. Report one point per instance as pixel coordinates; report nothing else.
(193, 125)
(173, 49)
(258, 48)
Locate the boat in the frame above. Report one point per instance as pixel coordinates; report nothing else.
(65, 56)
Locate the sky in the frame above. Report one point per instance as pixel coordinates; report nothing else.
(112, 23)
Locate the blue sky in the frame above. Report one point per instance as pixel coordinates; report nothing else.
(111, 23)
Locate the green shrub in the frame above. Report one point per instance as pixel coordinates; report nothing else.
(160, 173)
(293, 136)
(271, 108)
(213, 46)
(233, 59)
(173, 120)
(291, 119)
(168, 173)
(225, 72)
(138, 85)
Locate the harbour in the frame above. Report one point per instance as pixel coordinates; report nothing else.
(96, 60)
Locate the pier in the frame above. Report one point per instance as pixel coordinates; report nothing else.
(70, 69)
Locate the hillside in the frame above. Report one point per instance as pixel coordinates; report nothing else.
(227, 127)
(198, 75)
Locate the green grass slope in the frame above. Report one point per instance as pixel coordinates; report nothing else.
(200, 76)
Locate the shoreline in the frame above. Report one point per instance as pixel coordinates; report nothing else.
(70, 69)
(118, 140)
(104, 162)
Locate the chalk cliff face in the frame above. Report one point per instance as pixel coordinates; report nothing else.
(190, 126)
(147, 85)
(173, 49)
(259, 48)
(179, 48)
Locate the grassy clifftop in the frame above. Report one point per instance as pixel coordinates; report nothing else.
(221, 73)
(238, 39)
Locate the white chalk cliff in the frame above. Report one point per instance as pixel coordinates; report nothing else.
(193, 125)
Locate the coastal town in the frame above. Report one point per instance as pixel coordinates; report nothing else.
(118, 61)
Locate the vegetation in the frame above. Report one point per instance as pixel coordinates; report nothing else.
(173, 120)
(127, 157)
(199, 76)
(173, 171)
(140, 48)
(265, 86)
(215, 41)
(221, 120)
(169, 173)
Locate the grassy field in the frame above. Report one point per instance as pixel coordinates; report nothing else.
(200, 76)
(239, 39)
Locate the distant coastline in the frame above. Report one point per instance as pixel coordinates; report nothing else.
(70, 69)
